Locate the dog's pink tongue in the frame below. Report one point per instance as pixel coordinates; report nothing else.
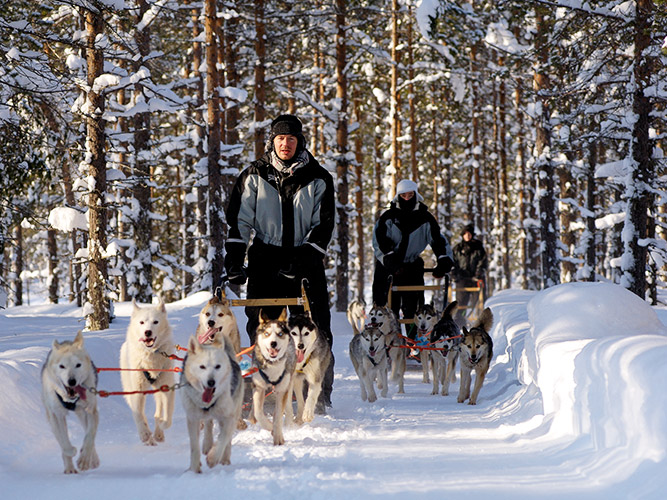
(300, 355)
(205, 337)
(207, 397)
(81, 392)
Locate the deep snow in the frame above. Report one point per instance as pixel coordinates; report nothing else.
(574, 406)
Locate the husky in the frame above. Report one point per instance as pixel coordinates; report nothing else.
(212, 390)
(384, 319)
(356, 315)
(217, 317)
(313, 357)
(425, 319)
(476, 352)
(274, 356)
(144, 352)
(446, 337)
(69, 383)
(369, 357)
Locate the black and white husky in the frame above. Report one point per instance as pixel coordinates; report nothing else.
(446, 336)
(384, 319)
(274, 356)
(313, 357)
(212, 390)
(368, 354)
(425, 319)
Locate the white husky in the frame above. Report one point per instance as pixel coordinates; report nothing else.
(383, 318)
(145, 350)
(356, 315)
(369, 358)
(68, 376)
(212, 389)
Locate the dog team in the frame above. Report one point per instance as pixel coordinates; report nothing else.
(380, 348)
(289, 357)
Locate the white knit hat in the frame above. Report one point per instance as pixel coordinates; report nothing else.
(405, 186)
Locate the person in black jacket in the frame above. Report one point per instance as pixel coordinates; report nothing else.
(470, 263)
(284, 202)
(400, 236)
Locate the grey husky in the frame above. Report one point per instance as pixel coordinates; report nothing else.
(446, 337)
(384, 319)
(69, 379)
(313, 357)
(368, 354)
(476, 354)
(212, 390)
(274, 356)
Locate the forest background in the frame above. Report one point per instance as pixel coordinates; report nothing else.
(124, 124)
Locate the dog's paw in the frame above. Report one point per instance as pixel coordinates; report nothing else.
(88, 461)
(196, 468)
(372, 398)
(158, 435)
(241, 425)
(434, 392)
(472, 402)
(460, 400)
(278, 440)
(70, 470)
(444, 393)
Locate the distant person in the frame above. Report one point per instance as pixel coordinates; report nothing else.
(284, 202)
(400, 236)
(470, 264)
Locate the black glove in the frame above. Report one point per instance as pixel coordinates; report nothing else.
(444, 266)
(236, 271)
(391, 262)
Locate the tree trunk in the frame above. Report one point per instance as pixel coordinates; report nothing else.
(394, 120)
(359, 207)
(504, 208)
(53, 282)
(414, 171)
(260, 72)
(642, 174)
(98, 318)
(141, 191)
(17, 266)
(215, 195)
(544, 163)
(342, 276)
(589, 238)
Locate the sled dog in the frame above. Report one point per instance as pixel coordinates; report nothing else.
(446, 337)
(68, 376)
(425, 319)
(369, 357)
(212, 390)
(274, 356)
(146, 345)
(476, 352)
(215, 318)
(383, 318)
(356, 315)
(313, 356)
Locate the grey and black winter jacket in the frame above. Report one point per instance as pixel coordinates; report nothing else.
(470, 260)
(407, 233)
(286, 208)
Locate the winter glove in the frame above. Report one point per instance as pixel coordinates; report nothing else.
(391, 262)
(236, 271)
(444, 266)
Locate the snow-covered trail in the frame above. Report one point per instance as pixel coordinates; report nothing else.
(412, 445)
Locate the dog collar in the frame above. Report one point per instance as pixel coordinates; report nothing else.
(268, 380)
(68, 405)
(305, 363)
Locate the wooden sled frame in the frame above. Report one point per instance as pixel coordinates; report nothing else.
(479, 307)
(288, 301)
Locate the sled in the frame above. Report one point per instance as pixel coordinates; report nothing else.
(444, 288)
(475, 312)
(288, 301)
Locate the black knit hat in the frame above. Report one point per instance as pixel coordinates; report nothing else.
(286, 124)
(468, 228)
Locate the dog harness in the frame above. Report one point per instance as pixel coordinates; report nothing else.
(268, 380)
(151, 380)
(68, 405)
